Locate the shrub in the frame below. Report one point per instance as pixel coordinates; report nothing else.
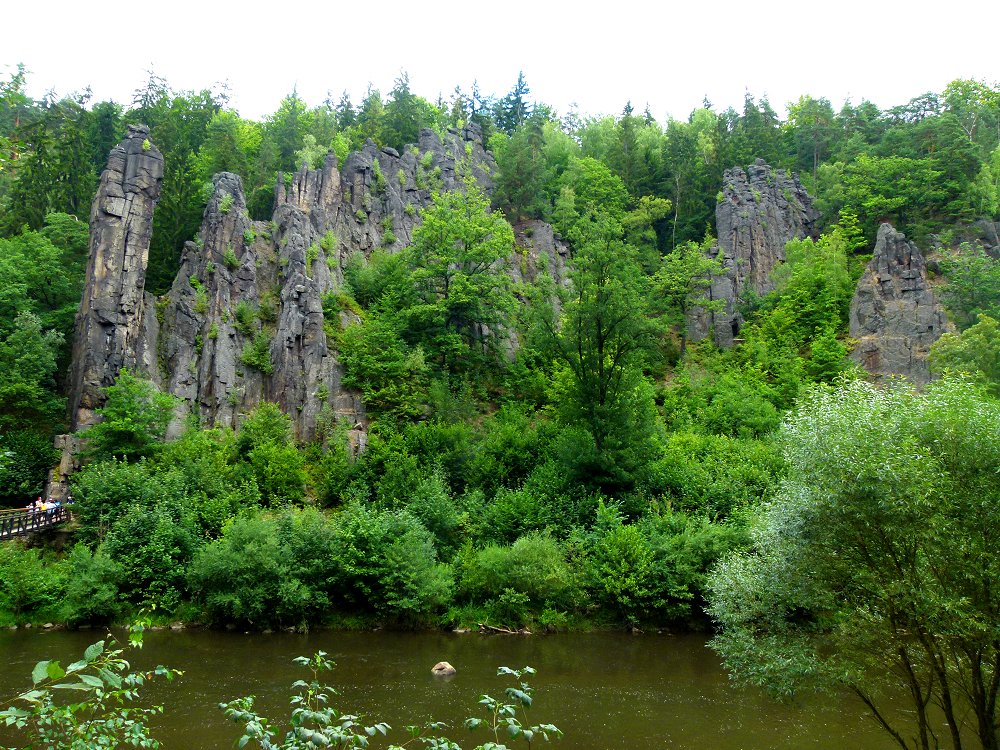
(257, 353)
(226, 203)
(530, 575)
(229, 258)
(243, 577)
(28, 584)
(246, 317)
(25, 459)
(104, 491)
(386, 564)
(135, 417)
(312, 255)
(91, 588)
(152, 547)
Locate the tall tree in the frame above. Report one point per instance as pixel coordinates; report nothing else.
(514, 109)
(465, 300)
(876, 567)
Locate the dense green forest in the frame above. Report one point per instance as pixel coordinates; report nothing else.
(593, 476)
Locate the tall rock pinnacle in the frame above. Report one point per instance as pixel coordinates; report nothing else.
(894, 314)
(110, 319)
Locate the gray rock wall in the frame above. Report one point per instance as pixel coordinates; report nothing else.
(284, 269)
(760, 211)
(894, 314)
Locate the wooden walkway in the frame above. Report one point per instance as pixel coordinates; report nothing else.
(20, 522)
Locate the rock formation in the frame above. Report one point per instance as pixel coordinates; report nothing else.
(758, 212)
(251, 312)
(109, 322)
(254, 306)
(894, 314)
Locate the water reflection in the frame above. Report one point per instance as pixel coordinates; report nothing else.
(603, 690)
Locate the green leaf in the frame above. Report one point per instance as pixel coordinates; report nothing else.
(54, 671)
(92, 680)
(93, 651)
(76, 666)
(40, 672)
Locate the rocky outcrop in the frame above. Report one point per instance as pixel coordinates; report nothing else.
(109, 324)
(894, 314)
(253, 309)
(759, 211)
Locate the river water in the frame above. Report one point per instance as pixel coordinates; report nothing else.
(605, 691)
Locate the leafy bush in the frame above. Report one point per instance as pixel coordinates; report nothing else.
(530, 575)
(134, 420)
(243, 577)
(386, 564)
(104, 492)
(29, 585)
(91, 588)
(256, 354)
(25, 459)
(153, 547)
(655, 570)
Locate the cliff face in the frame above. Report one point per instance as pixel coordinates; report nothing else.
(250, 313)
(109, 323)
(894, 314)
(759, 211)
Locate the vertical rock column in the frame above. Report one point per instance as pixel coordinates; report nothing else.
(894, 314)
(759, 211)
(109, 321)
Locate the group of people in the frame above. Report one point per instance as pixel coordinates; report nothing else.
(49, 506)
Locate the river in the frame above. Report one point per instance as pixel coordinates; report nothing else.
(605, 691)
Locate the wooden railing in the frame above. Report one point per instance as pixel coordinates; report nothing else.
(18, 522)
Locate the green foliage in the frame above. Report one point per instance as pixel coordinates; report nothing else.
(601, 342)
(681, 283)
(256, 354)
(25, 459)
(975, 351)
(31, 587)
(105, 490)
(245, 317)
(101, 712)
(312, 255)
(973, 287)
(654, 570)
(247, 577)
(714, 475)
(265, 442)
(460, 289)
(387, 564)
(91, 588)
(230, 260)
(28, 362)
(134, 420)
(313, 721)
(875, 566)
(152, 547)
(226, 204)
(518, 581)
(504, 717)
(392, 376)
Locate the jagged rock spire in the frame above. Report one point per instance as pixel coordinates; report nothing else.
(110, 319)
(894, 314)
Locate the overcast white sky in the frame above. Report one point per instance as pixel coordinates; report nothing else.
(599, 55)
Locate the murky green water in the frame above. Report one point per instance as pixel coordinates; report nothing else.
(603, 690)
